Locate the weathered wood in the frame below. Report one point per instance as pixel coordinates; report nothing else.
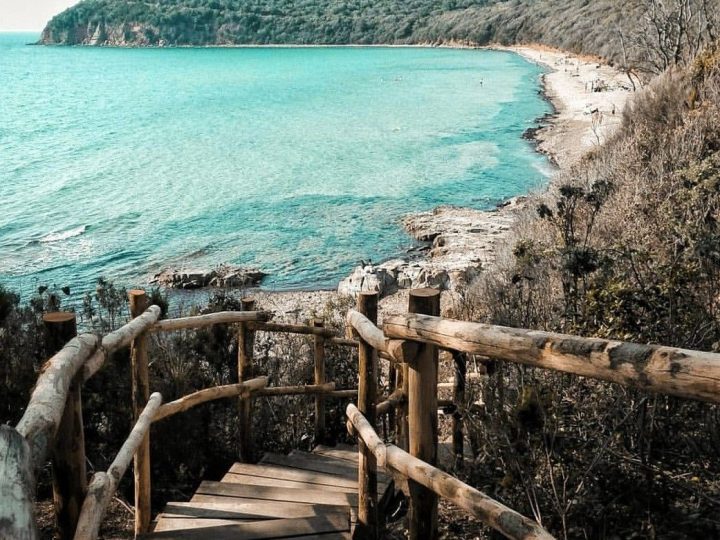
(460, 364)
(311, 389)
(422, 420)
(139, 303)
(324, 527)
(275, 472)
(310, 496)
(285, 328)
(367, 434)
(371, 338)
(394, 350)
(282, 482)
(119, 339)
(42, 417)
(210, 394)
(257, 510)
(344, 342)
(319, 356)
(343, 394)
(495, 514)
(401, 411)
(211, 319)
(246, 351)
(319, 463)
(392, 401)
(68, 455)
(104, 485)
(17, 487)
(666, 370)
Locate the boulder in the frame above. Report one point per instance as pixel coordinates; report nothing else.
(223, 276)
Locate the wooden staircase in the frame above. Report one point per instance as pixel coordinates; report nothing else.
(302, 496)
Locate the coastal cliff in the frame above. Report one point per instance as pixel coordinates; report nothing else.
(574, 25)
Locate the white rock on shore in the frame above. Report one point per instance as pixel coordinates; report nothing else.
(459, 243)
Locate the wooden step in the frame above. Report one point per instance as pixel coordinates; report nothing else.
(344, 452)
(225, 508)
(269, 493)
(273, 475)
(322, 527)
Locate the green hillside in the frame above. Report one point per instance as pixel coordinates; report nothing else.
(576, 25)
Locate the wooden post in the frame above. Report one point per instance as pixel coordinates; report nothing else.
(401, 418)
(367, 526)
(68, 455)
(460, 361)
(139, 302)
(423, 420)
(392, 386)
(319, 379)
(246, 346)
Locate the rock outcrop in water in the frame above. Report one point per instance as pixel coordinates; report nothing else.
(221, 277)
(457, 242)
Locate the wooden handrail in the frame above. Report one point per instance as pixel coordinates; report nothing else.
(210, 394)
(211, 319)
(308, 389)
(103, 485)
(666, 370)
(392, 401)
(391, 349)
(119, 339)
(44, 411)
(491, 512)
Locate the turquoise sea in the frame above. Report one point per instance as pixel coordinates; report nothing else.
(298, 161)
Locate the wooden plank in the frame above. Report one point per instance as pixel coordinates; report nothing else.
(229, 508)
(321, 463)
(312, 496)
(251, 480)
(259, 530)
(224, 499)
(298, 475)
(346, 453)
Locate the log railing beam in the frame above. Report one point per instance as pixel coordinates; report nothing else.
(665, 370)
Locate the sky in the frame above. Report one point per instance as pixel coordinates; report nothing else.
(30, 14)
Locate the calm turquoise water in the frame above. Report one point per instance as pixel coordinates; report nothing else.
(297, 161)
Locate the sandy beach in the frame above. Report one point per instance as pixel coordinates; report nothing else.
(588, 98)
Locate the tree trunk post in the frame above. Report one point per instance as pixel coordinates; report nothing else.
(460, 361)
(422, 383)
(319, 379)
(68, 454)
(401, 411)
(246, 346)
(392, 386)
(139, 302)
(367, 526)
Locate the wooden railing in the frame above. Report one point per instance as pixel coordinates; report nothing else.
(52, 424)
(411, 342)
(51, 428)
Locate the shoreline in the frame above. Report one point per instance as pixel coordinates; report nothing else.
(457, 243)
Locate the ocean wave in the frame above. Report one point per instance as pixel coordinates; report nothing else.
(63, 235)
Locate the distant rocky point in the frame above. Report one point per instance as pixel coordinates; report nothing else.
(223, 276)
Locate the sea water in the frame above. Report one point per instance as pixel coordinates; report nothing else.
(297, 161)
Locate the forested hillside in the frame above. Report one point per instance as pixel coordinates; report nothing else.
(576, 25)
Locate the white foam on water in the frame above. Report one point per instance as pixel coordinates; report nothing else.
(63, 235)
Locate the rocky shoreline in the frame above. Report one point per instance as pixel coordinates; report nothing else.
(456, 244)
